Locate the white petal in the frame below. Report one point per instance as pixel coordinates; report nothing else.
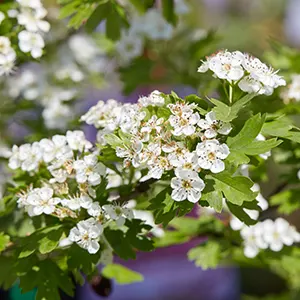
(93, 247)
(217, 166)
(179, 194)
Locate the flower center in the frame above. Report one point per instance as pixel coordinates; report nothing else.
(211, 156)
(186, 184)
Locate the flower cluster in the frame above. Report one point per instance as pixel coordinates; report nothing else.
(69, 159)
(155, 135)
(292, 92)
(31, 16)
(54, 85)
(7, 56)
(268, 234)
(151, 26)
(248, 72)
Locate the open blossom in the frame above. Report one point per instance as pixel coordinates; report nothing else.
(31, 42)
(89, 170)
(187, 161)
(86, 234)
(56, 148)
(212, 126)
(183, 119)
(77, 141)
(279, 233)
(7, 56)
(154, 99)
(253, 240)
(41, 201)
(32, 20)
(211, 154)
(129, 46)
(75, 203)
(292, 92)
(187, 185)
(251, 75)
(225, 65)
(118, 213)
(131, 152)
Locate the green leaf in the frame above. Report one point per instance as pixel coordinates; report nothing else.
(99, 14)
(121, 274)
(117, 239)
(214, 199)
(4, 241)
(168, 7)
(206, 255)
(82, 15)
(50, 241)
(237, 158)
(172, 238)
(236, 189)
(136, 235)
(288, 201)
(239, 212)
(142, 5)
(248, 133)
(113, 140)
(69, 9)
(260, 147)
(227, 113)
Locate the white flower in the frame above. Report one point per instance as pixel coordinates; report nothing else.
(226, 65)
(69, 71)
(160, 164)
(131, 152)
(7, 62)
(89, 170)
(2, 17)
(41, 201)
(187, 161)
(56, 148)
(87, 234)
(26, 157)
(187, 185)
(212, 126)
(253, 240)
(118, 213)
(30, 3)
(57, 115)
(293, 90)
(76, 203)
(154, 99)
(211, 153)
(154, 26)
(279, 233)
(153, 124)
(33, 19)
(5, 46)
(129, 46)
(31, 42)
(95, 210)
(184, 124)
(77, 141)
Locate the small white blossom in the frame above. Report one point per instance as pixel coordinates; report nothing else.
(31, 42)
(253, 240)
(211, 154)
(129, 46)
(30, 3)
(118, 213)
(41, 201)
(184, 124)
(154, 99)
(279, 233)
(77, 141)
(57, 115)
(212, 126)
(86, 234)
(75, 203)
(187, 185)
(292, 92)
(89, 170)
(33, 19)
